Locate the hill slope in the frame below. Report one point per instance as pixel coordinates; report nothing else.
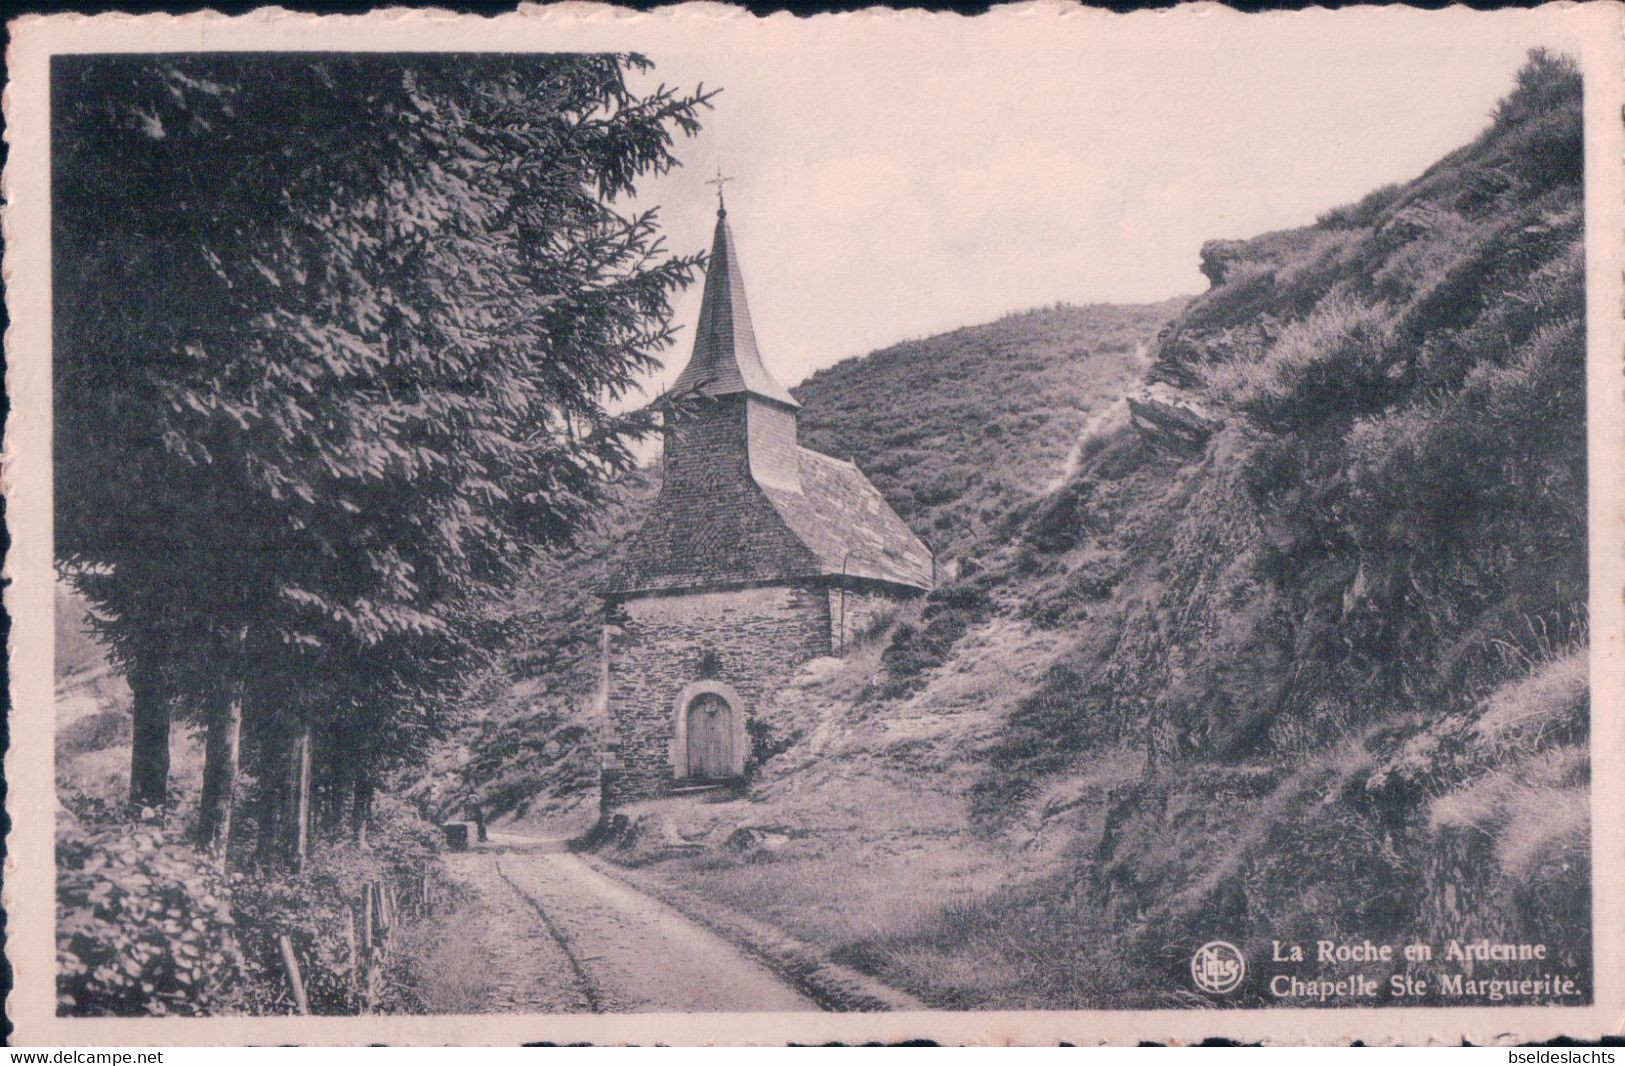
(1296, 649)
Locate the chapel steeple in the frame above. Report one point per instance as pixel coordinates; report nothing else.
(726, 360)
(741, 503)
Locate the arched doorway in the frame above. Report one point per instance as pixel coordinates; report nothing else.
(710, 738)
(709, 742)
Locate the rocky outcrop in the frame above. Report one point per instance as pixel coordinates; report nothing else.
(1217, 257)
(1171, 420)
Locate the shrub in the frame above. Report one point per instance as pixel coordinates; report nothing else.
(145, 926)
(914, 650)
(1548, 83)
(1364, 213)
(94, 732)
(1321, 370)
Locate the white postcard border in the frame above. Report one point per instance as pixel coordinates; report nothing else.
(1595, 30)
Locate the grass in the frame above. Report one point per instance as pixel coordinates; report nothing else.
(441, 969)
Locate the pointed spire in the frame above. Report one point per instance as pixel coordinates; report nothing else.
(726, 360)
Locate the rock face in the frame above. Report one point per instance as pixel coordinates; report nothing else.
(1217, 257)
(1171, 420)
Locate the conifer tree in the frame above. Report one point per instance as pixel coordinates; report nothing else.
(338, 340)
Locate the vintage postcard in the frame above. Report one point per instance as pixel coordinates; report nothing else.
(682, 527)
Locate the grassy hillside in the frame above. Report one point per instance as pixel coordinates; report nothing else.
(956, 429)
(1313, 666)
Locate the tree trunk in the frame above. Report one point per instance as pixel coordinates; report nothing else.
(296, 815)
(269, 816)
(149, 745)
(335, 790)
(222, 746)
(361, 808)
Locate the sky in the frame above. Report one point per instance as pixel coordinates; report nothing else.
(897, 184)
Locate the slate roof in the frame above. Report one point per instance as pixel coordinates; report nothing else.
(849, 526)
(726, 533)
(722, 527)
(726, 359)
(747, 533)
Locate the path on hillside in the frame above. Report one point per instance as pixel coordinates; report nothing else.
(1118, 408)
(561, 937)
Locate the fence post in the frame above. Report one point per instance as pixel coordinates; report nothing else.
(368, 998)
(355, 955)
(290, 966)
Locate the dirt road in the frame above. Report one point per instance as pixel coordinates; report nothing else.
(561, 937)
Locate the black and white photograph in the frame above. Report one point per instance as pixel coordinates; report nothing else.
(715, 520)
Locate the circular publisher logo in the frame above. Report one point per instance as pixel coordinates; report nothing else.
(1218, 967)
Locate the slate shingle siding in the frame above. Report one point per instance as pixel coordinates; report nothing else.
(751, 639)
(774, 454)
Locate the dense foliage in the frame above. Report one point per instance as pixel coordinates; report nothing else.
(1349, 635)
(148, 925)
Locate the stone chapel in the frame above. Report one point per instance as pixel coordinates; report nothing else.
(758, 556)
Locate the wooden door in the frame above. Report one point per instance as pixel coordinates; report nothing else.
(710, 738)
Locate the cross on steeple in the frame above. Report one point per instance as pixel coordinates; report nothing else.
(719, 181)
(726, 361)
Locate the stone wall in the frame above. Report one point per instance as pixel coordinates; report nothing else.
(863, 607)
(751, 640)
